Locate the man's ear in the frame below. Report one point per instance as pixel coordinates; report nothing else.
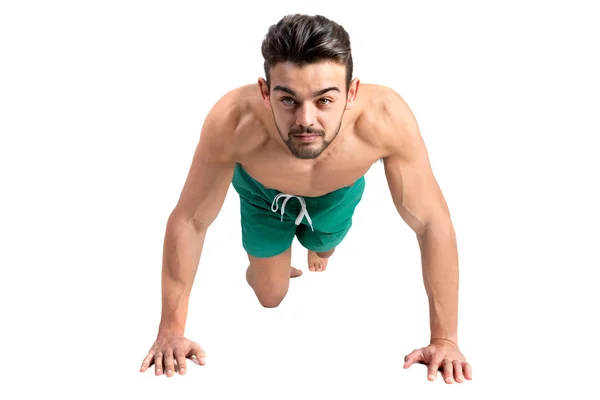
(264, 92)
(352, 92)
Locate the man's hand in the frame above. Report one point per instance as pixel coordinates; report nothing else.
(167, 350)
(441, 354)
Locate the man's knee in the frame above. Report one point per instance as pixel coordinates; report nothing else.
(325, 254)
(270, 290)
(270, 300)
(270, 287)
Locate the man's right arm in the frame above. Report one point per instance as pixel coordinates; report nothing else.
(199, 204)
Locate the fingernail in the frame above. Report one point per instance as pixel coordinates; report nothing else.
(431, 377)
(182, 370)
(169, 372)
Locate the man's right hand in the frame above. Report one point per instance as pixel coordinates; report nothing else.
(171, 351)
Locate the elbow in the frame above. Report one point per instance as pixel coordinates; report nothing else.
(177, 220)
(440, 225)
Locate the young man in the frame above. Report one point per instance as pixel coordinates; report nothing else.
(296, 147)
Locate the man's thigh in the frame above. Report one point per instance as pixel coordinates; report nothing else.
(264, 235)
(269, 277)
(320, 241)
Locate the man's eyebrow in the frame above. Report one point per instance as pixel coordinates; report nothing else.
(323, 91)
(317, 93)
(284, 89)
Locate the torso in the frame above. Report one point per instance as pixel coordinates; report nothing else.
(350, 155)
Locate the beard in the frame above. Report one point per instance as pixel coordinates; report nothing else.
(308, 150)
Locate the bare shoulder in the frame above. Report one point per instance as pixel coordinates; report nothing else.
(389, 121)
(225, 131)
(213, 163)
(219, 126)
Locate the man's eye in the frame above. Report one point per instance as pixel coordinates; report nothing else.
(325, 101)
(287, 101)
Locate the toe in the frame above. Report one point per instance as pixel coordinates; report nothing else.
(322, 265)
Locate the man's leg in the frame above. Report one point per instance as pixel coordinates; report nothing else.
(270, 277)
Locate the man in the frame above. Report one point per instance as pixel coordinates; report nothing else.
(296, 147)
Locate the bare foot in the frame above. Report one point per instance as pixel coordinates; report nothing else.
(316, 263)
(294, 272)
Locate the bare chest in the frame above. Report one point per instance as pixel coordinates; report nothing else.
(310, 178)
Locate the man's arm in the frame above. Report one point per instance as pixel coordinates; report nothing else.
(421, 204)
(200, 201)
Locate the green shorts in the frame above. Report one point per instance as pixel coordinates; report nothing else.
(270, 219)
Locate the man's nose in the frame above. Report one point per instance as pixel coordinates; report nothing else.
(305, 115)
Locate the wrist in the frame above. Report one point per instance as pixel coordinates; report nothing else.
(444, 339)
(170, 330)
(444, 332)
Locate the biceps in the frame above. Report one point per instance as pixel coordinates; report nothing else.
(212, 168)
(204, 191)
(415, 191)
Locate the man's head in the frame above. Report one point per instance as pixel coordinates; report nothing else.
(308, 86)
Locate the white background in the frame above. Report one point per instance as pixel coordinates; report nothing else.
(101, 105)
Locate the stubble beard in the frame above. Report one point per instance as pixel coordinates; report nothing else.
(308, 151)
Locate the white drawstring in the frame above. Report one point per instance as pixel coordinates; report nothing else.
(302, 213)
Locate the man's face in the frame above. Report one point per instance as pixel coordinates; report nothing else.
(308, 104)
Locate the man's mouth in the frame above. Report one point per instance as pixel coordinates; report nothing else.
(307, 137)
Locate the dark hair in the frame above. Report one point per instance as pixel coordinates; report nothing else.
(304, 39)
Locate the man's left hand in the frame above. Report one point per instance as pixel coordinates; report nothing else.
(441, 354)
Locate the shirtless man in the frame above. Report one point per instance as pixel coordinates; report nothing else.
(296, 147)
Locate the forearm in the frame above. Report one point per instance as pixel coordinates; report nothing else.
(439, 257)
(181, 256)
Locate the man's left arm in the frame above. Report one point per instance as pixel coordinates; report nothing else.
(421, 204)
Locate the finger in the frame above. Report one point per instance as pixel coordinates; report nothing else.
(199, 354)
(448, 372)
(169, 363)
(458, 371)
(467, 370)
(158, 363)
(180, 358)
(433, 368)
(147, 362)
(412, 358)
